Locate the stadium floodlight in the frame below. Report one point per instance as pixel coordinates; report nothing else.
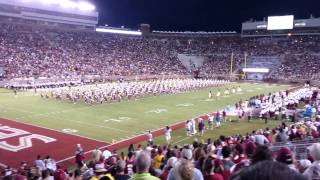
(256, 70)
(84, 6)
(116, 31)
(48, 2)
(67, 4)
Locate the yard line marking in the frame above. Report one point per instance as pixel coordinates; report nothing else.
(180, 140)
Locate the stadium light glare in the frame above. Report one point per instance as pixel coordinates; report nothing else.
(67, 4)
(84, 6)
(49, 2)
(26, 1)
(115, 31)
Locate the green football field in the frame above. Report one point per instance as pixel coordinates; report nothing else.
(123, 120)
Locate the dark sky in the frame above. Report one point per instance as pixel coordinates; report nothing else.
(198, 15)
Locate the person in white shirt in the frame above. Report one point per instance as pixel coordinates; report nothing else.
(218, 93)
(106, 154)
(210, 121)
(149, 138)
(96, 155)
(39, 163)
(50, 164)
(226, 92)
(193, 123)
(188, 127)
(168, 135)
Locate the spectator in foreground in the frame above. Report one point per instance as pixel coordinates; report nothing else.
(285, 156)
(39, 163)
(184, 168)
(170, 164)
(142, 164)
(120, 167)
(313, 172)
(302, 165)
(268, 170)
(262, 153)
(209, 173)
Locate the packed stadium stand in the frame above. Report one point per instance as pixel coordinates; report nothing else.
(53, 53)
(66, 50)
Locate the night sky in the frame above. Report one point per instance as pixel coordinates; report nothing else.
(198, 15)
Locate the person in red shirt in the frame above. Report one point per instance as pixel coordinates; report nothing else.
(209, 173)
(59, 174)
(224, 115)
(239, 154)
(129, 164)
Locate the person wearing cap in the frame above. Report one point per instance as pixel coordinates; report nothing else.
(120, 167)
(313, 171)
(285, 156)
(185, 162)
(143, 164)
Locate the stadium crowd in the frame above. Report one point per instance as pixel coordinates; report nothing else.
(27, 51)
(260, 154)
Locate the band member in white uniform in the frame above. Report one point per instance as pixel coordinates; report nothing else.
(168, 135)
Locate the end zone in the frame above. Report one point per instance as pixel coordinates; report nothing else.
(23, 142)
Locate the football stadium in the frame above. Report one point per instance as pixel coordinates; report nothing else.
(174, 98)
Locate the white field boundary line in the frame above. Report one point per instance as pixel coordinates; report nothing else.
(181, 140)
(3, 165)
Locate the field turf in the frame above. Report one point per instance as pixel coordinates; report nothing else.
(127, 119)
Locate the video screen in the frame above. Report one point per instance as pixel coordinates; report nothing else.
(280, 22)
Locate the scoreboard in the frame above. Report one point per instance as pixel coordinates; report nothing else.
(280, 22)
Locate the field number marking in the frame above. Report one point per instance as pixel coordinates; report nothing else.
(69, 130)
(157, 111)
(120, 119)
(185, 105)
